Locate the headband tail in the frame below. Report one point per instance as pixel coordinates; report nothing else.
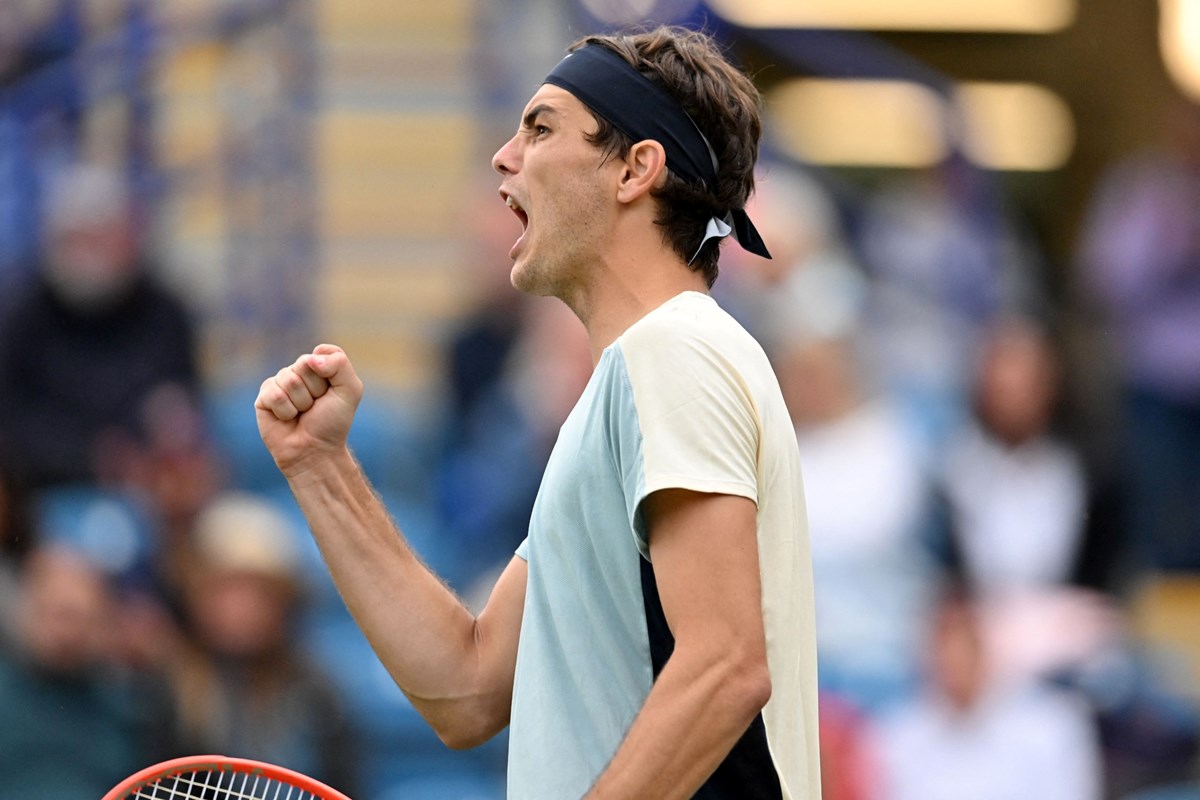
(746, 234)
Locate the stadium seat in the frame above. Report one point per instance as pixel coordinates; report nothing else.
(1179, 792)
(108, 528)
(447, 787)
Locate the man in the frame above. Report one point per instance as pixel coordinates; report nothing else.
(93, 315)
(1139, 262)
(73, 726)
(653, 636)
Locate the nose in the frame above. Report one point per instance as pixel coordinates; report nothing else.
(507, 158)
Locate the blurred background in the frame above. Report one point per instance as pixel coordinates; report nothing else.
(984, 310)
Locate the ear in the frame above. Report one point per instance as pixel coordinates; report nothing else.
(645, 169)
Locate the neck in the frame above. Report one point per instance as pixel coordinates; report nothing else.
(628, 283)
(625, 293)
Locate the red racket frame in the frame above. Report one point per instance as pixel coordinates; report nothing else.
(146, 778)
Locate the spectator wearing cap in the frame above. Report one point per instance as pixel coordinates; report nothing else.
(241, 686)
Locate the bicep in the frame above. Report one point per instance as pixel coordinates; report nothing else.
(704, 550)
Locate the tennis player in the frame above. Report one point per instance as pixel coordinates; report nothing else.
(653, 635)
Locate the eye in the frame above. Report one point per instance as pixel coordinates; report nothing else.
(540, 130)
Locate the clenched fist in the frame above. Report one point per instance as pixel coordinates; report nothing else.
(304, 411)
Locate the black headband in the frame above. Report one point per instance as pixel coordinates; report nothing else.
(608, 85)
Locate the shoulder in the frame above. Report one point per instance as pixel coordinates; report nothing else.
(688, 333)
(687, 316)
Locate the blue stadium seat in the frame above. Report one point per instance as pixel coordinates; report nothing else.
(1189, 791)
(446, 787)
(110, 529)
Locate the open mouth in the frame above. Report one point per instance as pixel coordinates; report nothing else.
(516, 209)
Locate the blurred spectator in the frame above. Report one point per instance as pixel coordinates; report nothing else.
(481, 501)
(72, 726)
(973, 735)
(175, 471)
(489, 482)
(1016, 494)
(812, 286)
(480, 344)
(872, 575)
(943, 260)
(1140, 257)
(118, 533)
(872, 570)
(241, 686)
(88, 339)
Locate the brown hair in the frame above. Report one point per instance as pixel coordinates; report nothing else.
(723, 103)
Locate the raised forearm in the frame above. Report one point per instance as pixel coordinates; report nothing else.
(422, 633)
(457, 669)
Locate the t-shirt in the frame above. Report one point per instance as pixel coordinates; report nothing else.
(685, 398)
(1015, 741)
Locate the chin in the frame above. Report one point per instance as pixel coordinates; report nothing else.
(518, 278)
(528, 279)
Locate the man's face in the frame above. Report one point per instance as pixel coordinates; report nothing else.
(66, 613)
(561, 189)
(90, 264)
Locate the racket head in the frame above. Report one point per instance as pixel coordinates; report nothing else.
(220, 778)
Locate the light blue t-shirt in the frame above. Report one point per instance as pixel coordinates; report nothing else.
(685, 398)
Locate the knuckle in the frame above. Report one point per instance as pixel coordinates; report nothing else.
(291, 382)
(279, 396)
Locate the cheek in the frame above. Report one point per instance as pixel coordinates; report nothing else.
(576, 211)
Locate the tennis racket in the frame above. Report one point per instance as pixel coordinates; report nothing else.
(220, 778)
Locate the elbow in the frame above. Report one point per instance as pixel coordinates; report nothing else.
(461, 738)
(470, 729)
(735, 678)
(464, 738)
(755, 689)
(747, 684)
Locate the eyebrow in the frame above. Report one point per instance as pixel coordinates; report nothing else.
(532, 114)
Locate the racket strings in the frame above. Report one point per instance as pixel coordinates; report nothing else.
(188, 786)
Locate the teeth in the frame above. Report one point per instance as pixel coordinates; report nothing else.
(513, 204)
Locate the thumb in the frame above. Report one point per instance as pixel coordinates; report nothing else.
(331, 363)
(327, 349)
